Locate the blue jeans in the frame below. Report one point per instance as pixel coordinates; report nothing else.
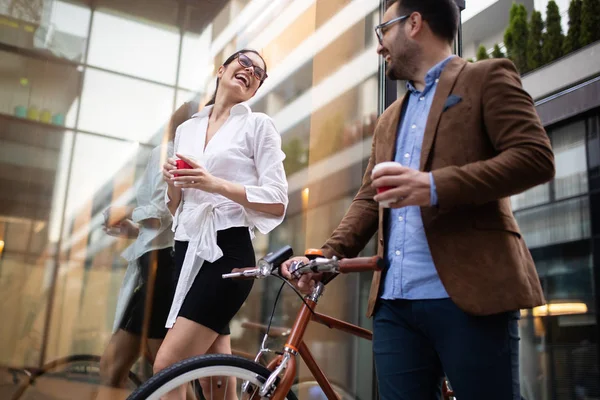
(417, 342)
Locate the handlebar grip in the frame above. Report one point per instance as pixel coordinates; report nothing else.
(360, 264)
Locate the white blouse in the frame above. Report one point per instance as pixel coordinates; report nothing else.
(245, 150)
(150, 205)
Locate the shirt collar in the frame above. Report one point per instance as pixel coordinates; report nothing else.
(238, 109)
(432, 77)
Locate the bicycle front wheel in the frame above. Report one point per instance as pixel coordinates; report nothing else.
(217, 371)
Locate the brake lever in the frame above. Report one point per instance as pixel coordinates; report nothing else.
(295, 266)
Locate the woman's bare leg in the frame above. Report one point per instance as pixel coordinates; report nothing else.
(216, 387)
(186, 339)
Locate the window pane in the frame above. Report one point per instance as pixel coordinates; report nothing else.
(39, 91)
(568, 143)
(122, 44)
(123, 107)
(561, 222)
(534, 196)
(196, 65)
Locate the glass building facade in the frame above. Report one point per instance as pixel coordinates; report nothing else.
(87, 88)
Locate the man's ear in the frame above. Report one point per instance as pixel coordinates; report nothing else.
(416, 24)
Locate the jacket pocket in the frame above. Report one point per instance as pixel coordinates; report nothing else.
(498, 223)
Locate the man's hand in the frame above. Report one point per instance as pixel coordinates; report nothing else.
(307, 281)
(409, 187)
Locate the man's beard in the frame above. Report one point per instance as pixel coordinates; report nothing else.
(403, 66)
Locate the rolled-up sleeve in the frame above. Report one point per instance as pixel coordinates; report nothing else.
(154, 189)
(272, 186)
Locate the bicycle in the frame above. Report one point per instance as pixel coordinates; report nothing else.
(304, 386)
(251, 379)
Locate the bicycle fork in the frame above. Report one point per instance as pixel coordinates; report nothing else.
(285, 365)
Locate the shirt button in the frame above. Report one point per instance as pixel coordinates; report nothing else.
(437, 80)
(422, 98)
(398, 252)
(401, 218)
(406, 155)
(414, 126)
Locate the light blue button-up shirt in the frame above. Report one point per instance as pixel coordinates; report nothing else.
(411, 272)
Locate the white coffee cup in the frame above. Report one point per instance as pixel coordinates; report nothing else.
(387, 203)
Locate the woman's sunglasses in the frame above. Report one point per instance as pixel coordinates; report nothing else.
(246, 62)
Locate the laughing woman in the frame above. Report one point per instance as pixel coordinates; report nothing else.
(234, 182)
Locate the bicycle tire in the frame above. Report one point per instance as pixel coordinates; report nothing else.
(191, 370)
(344, 394)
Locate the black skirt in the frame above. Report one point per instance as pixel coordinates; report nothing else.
(162, 296)
(213, 301)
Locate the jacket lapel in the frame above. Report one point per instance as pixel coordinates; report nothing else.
(444, 88)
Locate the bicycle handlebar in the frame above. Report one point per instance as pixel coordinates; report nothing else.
(319, 264)
(360, 264)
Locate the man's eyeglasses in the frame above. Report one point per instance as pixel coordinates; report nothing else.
(246, 62)
(380, 29)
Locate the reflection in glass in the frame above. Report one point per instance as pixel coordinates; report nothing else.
(123, 107)
(147, 290)
(67, 32)
(57, 28)
(30, 160)
(36, 90)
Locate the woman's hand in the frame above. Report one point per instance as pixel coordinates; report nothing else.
(196, 178)
(125, 228)
(168, 167)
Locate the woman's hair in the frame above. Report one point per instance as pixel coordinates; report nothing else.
(229, 61)
(181, 115)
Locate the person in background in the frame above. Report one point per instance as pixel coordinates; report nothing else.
(462, 140)
(149, 223)
(234, 182)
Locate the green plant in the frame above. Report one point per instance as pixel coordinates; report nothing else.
(590, 21)
(535, 58)
(482, 53)
(515, 36)
(497, 53)
(470, 60)
(553, 38)
(573, 39)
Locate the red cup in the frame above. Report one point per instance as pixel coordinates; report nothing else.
(182, 165)
(383, 189)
